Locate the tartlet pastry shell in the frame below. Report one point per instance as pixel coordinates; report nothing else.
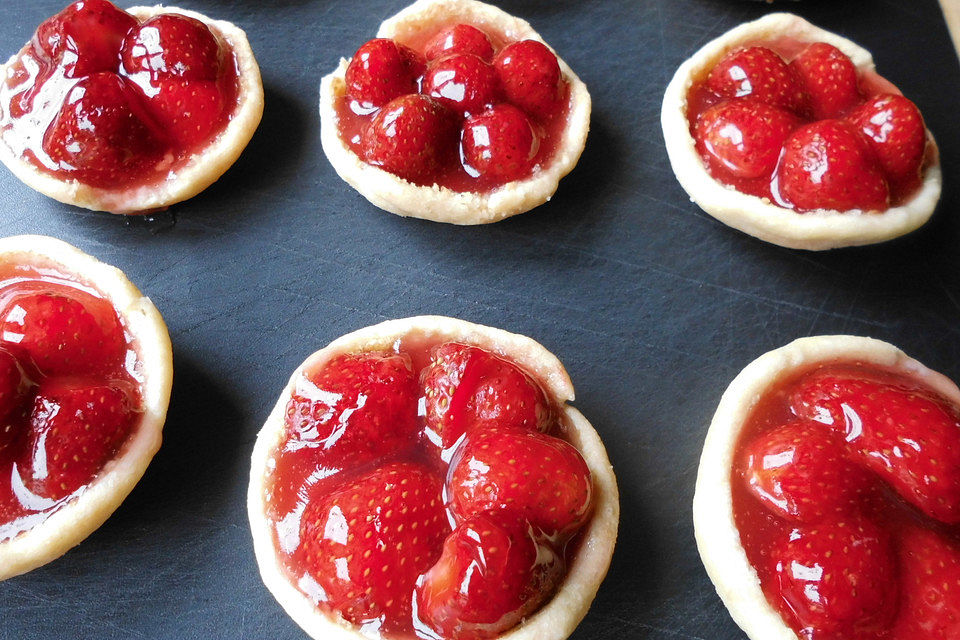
(199, 172)
(396, 195)
(815, 230)
(73, 522)
(718, 539)
(560, 616)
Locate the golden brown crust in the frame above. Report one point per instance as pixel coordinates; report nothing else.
(200, 171)
(559, 617)
(75, 521)
(815, 230)
(440, 204)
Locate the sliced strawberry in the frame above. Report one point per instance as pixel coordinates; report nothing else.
(530, 77)
(189, 110)
(828, 165)
(382, 70)
(499, 142)
(76, 427)
(835, 580)
(543, 478)
(367, 542)
(460, 38)
(413, 137)
(466, 387)
(495, 570)
(463, 82)
(800, 472)
(828, 79)
(173, 45)
(103, 133)
(895, 131)
(743, 137)
(67, 332)
(909, 438)
(86, 37)
(930, 575)
(758, 73)
(356, 408)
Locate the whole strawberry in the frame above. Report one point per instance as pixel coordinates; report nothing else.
(460, 38)
(828, 79)
(382, 70)
(743, 137)
(85, 38)
(189, 110)
(172, 45)
(463, 82)
(499, 142)
(530, 77)
(757, 73)
(930, 574)
(894, 129)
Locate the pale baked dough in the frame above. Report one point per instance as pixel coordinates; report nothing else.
(396, 195)
(559, 617)
(73, 522)
(199, 172)
(717, 536)
(814, 230)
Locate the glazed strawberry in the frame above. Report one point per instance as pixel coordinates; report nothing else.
(413, 137)
(895, 131)
(354, 409)
(799, 471)
(76, 426)
(828, 165)
(930, 574)
(743, 137)
(103, 132)
(460, 38)
(13, 384)
(189, 110)
(85, 38)
(462, 82)
(758, 73)
(64, 332)
(172, 45)
(466, 387)
(530, 77)
(543, 478)
(907, 437)
(836, 580)
(382, 70)
(494, 571)
(499, 142)
(367, 542)
(828, 79)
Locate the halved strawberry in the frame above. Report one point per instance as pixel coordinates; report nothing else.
(828, 79)
(463, 82)
(366, 543)
(530, 77)
(172, 45)
(64, 332)
(460, 38)
(76, 427)
(382, 70)
(828, 165)
(495, 570)
(499, 142)
(930, 575)
(189, 110)
(356, 408)
(743, 137)
(907, 437)
(800, 472)
(543, 478)
(835, 580)
(758, 73)
(894, 129)
(86, 37)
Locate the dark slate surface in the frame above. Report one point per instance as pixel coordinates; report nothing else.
(652, 305)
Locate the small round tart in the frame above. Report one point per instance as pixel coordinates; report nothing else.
(128, 111)
(828, 495)
(762, 138)
(401, 455)
(494, 119)
(85, 375)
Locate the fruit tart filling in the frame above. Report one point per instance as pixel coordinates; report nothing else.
(427, 491)
(108, 100)
(457, 106)
(798, 124)
(70, 395)
(846, 494)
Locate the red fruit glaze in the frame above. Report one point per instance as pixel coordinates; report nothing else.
(13, 387)
(828, 165)
(172, 46)
(758, 73)
(930, 575)
(382, 70)
(463, 82)
(743, 138)
(829, 81)
(894, 129)
(85, 38)
(460, 38)
(495, 570)
(499, 142)
(531, 78)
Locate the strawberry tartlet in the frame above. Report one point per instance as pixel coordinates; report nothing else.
(828, 496)
(426, 477)
(785, 131)
(456, 112)
(85, 375)
(128, 111)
